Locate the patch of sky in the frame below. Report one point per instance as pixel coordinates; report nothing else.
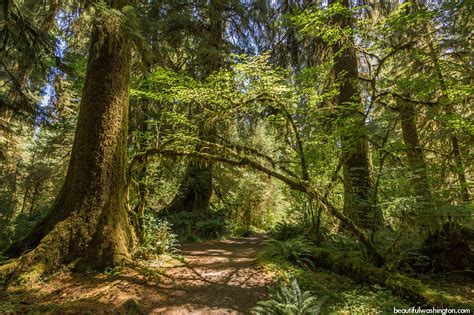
(48, 92)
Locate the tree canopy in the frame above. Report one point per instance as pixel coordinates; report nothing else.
(128, 126)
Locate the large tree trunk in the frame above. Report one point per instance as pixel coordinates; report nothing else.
(359, 203)
(88, 222)
(415, 159)
(195, 189)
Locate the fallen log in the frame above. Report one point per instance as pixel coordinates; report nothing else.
(355, 267)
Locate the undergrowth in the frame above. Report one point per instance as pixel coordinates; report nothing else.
(158, 239)
(338, 294)
(296, 251)
(196, 226)
(290, 300)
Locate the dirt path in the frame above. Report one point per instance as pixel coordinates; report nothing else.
(217, 277)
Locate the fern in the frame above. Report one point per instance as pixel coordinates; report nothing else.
(290, 301)
(297, 251)
(284, 231)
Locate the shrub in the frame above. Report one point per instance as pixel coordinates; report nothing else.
(199, 225)
(242, 231)
(290, 300)
(158, 238)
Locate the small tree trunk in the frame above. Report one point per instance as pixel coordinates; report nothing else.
(456, 151)
(34, 196)
(460, 168)
(88, 222)
(4, 124)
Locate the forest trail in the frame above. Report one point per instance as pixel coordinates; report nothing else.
(216, 277)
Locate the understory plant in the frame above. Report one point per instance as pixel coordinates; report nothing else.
(158, 239)
(193, 226)
(297, 251)
(285, 231)
(289, 300)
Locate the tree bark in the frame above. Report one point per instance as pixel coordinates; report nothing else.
(88, 222)
(415, 159)
(414, 151)
(195, 189)
(464, 186)
(359, 199)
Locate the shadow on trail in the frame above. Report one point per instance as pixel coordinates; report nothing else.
(218, 277)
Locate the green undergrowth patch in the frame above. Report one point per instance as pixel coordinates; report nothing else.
(293, 259)
(198, 226)
(341, 294)
(157, 239)
(243, 231)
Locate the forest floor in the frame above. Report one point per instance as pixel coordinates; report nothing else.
(215, 277)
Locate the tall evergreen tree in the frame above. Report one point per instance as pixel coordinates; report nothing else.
(88, 221)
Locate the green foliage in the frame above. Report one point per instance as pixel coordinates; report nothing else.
(364, 300)
(286, 300)
(259, 110)
(112, 271)
(193, 226)
(297, 251)
(284, 231)
(158, 238)
(246, 231)
(319, 22)
(341, 294)
(251, 199)
(21, 226)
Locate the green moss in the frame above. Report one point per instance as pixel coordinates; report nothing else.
(353, 265)
(343, 295)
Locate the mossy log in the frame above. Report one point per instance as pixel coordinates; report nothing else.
(401, 285)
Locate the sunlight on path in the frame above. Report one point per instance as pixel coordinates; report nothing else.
(219, 277)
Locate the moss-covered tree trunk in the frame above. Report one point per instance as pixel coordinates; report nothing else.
(88, 222)
(415, 159)
(195, 189)
(359, 203)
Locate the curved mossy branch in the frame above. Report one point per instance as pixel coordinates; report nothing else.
(294, 183)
